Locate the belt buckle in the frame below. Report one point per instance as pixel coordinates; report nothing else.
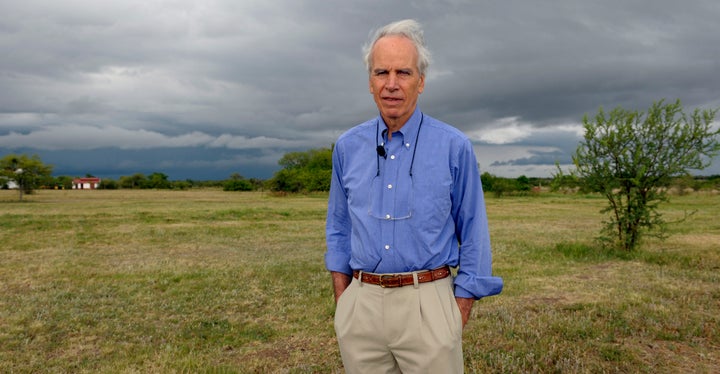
(386, 281)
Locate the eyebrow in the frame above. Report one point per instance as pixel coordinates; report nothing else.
(401, 70)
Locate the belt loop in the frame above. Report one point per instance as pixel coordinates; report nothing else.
(416, 284)
(360, 272)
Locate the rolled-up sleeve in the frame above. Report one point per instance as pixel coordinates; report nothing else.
(474, 278)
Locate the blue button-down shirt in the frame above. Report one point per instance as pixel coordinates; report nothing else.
(384, 217)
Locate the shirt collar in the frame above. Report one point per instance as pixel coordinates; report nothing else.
(409, 130)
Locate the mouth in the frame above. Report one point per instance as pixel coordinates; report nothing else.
(392, 100)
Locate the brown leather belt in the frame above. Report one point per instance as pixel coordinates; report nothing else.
(399, 280)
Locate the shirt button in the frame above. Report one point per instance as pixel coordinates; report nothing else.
(407, 145)
(389, 186)
(387, 246)
(387, 216)
(392, 157)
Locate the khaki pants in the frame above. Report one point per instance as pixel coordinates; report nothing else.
(411, 329)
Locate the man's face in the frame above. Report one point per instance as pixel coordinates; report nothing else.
(395, 81)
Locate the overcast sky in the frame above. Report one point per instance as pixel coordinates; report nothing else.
(203, 89)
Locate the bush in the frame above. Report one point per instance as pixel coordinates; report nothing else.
(238, 185)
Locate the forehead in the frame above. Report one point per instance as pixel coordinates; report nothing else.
(394, 52)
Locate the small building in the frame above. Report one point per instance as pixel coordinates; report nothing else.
(89, 183)
(8, 184)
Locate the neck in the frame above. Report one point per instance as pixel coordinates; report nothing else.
(395, 124)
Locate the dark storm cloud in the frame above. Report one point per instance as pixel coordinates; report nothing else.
(536, 158)
(152, 82)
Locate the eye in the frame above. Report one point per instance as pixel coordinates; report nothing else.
(405, 72)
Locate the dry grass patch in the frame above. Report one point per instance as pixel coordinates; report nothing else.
(212, 281)
(568, 307)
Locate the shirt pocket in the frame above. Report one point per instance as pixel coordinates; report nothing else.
(431, 205)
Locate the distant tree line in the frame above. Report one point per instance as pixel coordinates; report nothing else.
(679, 185)
(521, 185)
(302, 172)
(158, 180)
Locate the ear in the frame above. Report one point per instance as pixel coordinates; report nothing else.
(421, 84)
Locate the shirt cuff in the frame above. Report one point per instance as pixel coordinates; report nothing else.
(338, 262)
(477, 287)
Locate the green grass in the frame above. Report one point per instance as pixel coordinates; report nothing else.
(212, 281)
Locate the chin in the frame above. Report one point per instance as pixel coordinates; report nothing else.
(392, 114)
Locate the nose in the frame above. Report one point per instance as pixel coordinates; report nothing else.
(392, 82)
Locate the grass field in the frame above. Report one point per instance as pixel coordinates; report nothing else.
(209, 281)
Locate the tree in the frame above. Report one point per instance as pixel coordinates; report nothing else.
(564, 182)
(237, 183)
(156, 180)
(630, 156)
(108, 184)
(304, 171)
(26, 171)
(136, 180)
(500, 187)
(64, 182)
(487, 179)
(523, 183)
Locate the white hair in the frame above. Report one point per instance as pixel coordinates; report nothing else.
(408, 28)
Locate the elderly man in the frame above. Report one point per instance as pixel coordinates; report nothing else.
(406, 205)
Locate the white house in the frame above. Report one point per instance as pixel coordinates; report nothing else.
(11, 184)
(90, 183)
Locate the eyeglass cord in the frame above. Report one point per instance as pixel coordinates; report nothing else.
(417, 138)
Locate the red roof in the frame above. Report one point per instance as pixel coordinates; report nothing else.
(86, 180)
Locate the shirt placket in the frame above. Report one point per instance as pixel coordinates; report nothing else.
(391, 169)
